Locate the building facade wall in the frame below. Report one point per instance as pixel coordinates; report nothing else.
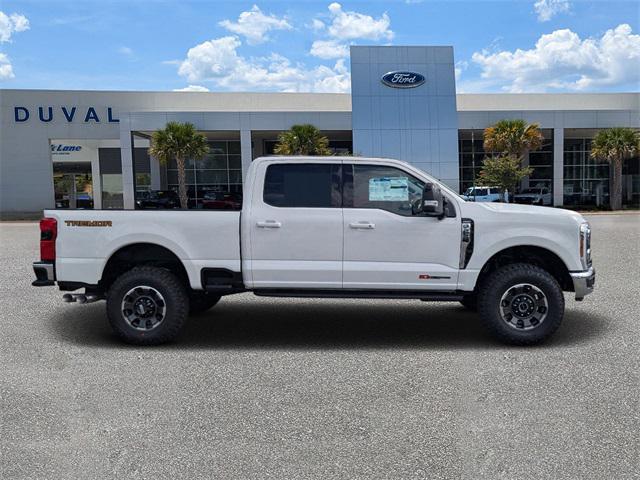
(26, 183)
(418, 125)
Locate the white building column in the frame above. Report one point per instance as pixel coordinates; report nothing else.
(126, 157)
(96, 180)
(558, 167)
(245, 151)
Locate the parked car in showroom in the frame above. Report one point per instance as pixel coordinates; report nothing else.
(484, 194)
(533, 196)
(157, 199)
(323, 227)
(212, 200)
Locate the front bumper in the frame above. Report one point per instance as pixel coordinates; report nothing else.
(45, 274)
(583, 282)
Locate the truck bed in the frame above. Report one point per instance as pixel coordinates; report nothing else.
(88, 238)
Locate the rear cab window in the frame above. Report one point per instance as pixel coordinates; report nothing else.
(303, 185)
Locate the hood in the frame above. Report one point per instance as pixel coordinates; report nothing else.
(520, 211)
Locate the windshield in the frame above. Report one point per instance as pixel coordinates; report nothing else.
(531, 190)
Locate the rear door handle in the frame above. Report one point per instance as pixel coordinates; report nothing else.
(269, 224)
(363, 225)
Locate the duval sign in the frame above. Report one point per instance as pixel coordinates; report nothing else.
(401, 79)
(69, 114)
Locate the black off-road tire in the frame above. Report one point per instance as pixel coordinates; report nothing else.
(499, 282)
(175, 299)
(200, 302)
(470, 302)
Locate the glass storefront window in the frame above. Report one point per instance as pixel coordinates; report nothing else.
(143, 182)
(219, 172)
(73, 185)
(586, 181)
(337, 147)
(112, 195)
(472, 154)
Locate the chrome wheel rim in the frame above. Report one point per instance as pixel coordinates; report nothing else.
(524, 306)
(143, 308)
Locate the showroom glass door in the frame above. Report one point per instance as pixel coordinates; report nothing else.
(73, 185)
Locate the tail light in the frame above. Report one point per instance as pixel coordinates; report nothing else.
(48, 234)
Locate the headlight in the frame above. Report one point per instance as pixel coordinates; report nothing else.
(585, 245)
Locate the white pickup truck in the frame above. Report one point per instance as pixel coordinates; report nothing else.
(338, 227)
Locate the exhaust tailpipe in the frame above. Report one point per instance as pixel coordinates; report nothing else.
(80, 298)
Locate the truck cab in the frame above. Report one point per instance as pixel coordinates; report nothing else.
(341, 227)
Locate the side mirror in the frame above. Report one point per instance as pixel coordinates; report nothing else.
(432, 201)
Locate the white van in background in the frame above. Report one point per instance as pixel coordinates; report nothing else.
(534, 196)
(483, 194)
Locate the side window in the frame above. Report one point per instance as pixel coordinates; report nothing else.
(386, 188)
(310, 185)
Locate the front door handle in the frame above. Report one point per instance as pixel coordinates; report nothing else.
(363, 225)
(269, 224)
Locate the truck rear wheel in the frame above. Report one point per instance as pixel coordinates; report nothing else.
(521, 304)
(201, 302)
(147, 306)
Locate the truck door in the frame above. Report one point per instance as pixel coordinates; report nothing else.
(387, 245)
(296, 226)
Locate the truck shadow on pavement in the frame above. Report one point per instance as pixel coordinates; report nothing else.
(326, 324)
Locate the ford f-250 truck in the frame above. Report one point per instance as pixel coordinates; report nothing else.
(323, 227)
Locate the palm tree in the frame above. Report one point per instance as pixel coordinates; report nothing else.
(510, 140)
(514, 138)
(615, 145)
(302, 140)
(179, 141)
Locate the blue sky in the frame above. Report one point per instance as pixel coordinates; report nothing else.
(500, 46)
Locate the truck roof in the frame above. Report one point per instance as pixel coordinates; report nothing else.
(329, 158)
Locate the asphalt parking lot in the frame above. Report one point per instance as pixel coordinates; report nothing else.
(278, 388)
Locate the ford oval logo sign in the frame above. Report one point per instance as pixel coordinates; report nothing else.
(403, 79)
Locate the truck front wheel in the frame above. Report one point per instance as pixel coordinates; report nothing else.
(147, 306)
(521, 304)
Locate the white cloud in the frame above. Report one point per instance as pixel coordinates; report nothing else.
(317, 25)
(217, 61)
(192, 88)
(126, 51)
(6, 70)
(561, 60)
(331, 80)
(329, 49)
(254, 25)
(353, 25)
(547, 9)
(211, 59)
(460, 67)
(345, 27)
(10, 24)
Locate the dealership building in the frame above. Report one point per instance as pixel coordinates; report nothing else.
(88, 149)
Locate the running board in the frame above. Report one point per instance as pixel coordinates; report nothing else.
(346, 293)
